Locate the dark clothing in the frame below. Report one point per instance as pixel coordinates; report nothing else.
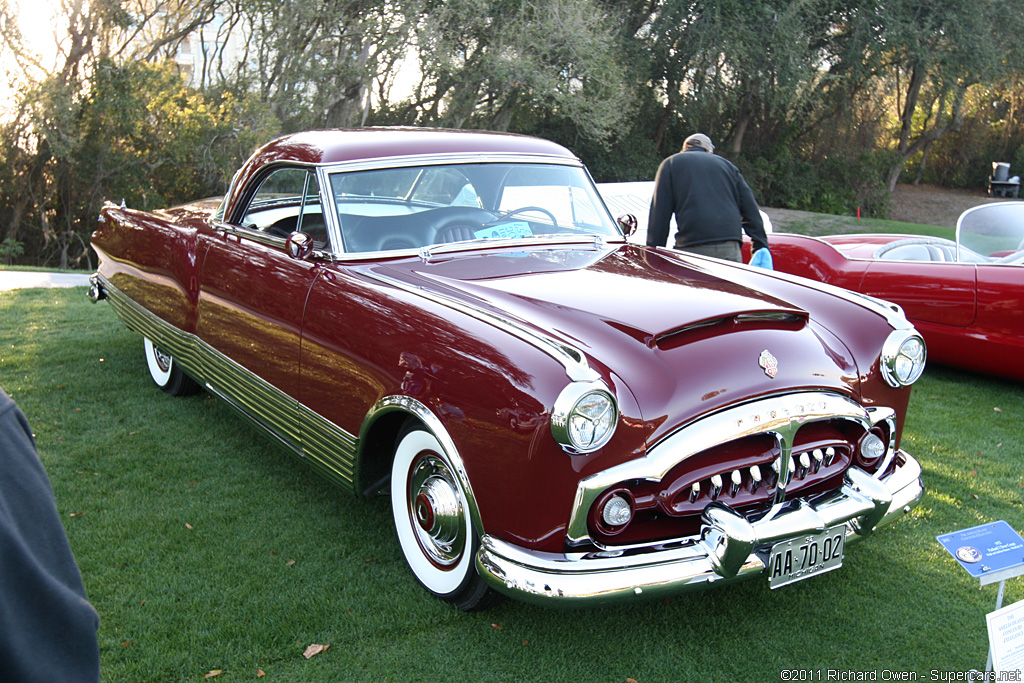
(710, 199)
(728, 250)
(47, 627)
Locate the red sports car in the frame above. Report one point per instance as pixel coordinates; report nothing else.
(965, 296)
(454, 319)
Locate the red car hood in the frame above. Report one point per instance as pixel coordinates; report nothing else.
(684, 335)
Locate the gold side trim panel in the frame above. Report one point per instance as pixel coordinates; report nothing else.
(328, 447)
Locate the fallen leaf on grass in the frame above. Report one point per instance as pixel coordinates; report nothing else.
(631, 680)
(214, 673)
(76, 514)
(496, 627)
(315, 649)
(189, 526)
(289, 563)
(998, 410)
(260, 673)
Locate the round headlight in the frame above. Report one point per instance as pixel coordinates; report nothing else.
(584, 417)
(903, 357)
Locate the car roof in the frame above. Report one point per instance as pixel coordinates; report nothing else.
(339, 146)
(327, 147)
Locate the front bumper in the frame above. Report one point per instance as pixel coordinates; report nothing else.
(729, 547)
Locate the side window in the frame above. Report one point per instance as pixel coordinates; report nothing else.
(286, 201)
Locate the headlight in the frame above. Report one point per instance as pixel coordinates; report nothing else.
(584, 416)
(903, 356)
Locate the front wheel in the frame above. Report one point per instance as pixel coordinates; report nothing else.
(433, 524)
(166, 373)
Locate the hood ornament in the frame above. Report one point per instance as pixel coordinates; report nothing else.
(769, 363)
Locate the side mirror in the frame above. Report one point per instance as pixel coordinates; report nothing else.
(627, 222)
(299, 245)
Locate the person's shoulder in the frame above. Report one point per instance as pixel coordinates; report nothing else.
(6, 402)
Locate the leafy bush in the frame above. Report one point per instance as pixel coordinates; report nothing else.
(11, 249)
(834, 185)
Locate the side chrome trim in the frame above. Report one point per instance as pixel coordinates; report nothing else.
(571, 358)
(264, 239)
(780, 416)
(421, 412)
(328, 447)
(728, 549)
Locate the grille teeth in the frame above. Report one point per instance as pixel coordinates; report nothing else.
(755, 478)
(716, 486)
(729, 485)
(737, 482)
(818, 458)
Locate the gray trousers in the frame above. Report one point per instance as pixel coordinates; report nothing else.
(728, 250)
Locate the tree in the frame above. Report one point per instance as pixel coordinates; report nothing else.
(926, 55)
(484, 62)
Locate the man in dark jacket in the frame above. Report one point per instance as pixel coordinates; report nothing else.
(47, 627)
(711, 201)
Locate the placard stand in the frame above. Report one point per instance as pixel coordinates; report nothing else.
(991, 553)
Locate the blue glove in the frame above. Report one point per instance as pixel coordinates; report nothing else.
(762, 258)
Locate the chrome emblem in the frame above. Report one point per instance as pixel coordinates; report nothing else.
(968, 554)
(770, 364)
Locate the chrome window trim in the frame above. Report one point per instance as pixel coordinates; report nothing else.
(325, 170)
(444, 159)
(780, 416)
(265, 239)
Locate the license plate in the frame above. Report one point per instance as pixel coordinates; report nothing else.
(806, 556)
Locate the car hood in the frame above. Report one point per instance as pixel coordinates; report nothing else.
(685, 335)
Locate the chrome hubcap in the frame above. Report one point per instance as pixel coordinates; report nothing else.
(162, 359)
(436, 510)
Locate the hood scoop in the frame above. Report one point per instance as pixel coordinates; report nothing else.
(793, 320)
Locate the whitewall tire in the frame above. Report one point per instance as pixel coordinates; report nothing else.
(433, 523)
(166, 373)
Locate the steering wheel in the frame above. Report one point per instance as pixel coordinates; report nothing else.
(524, 209)
(457, 223)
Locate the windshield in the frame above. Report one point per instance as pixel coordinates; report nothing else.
(996, 231)
(419, 206)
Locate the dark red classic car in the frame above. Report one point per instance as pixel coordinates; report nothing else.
(454, 319)
(965, 296)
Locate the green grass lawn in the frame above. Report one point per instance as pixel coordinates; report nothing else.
(204, 547)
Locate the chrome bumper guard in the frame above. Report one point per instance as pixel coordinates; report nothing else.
(729, 547)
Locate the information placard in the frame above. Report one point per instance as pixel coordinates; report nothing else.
(1006, 637)
(990, 552)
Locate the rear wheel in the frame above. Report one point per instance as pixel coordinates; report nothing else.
(166, 373)
(433, 523)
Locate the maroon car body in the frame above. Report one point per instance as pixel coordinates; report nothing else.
(453, 318)
(964, 295)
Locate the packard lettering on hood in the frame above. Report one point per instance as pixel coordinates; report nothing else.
(454, 319)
